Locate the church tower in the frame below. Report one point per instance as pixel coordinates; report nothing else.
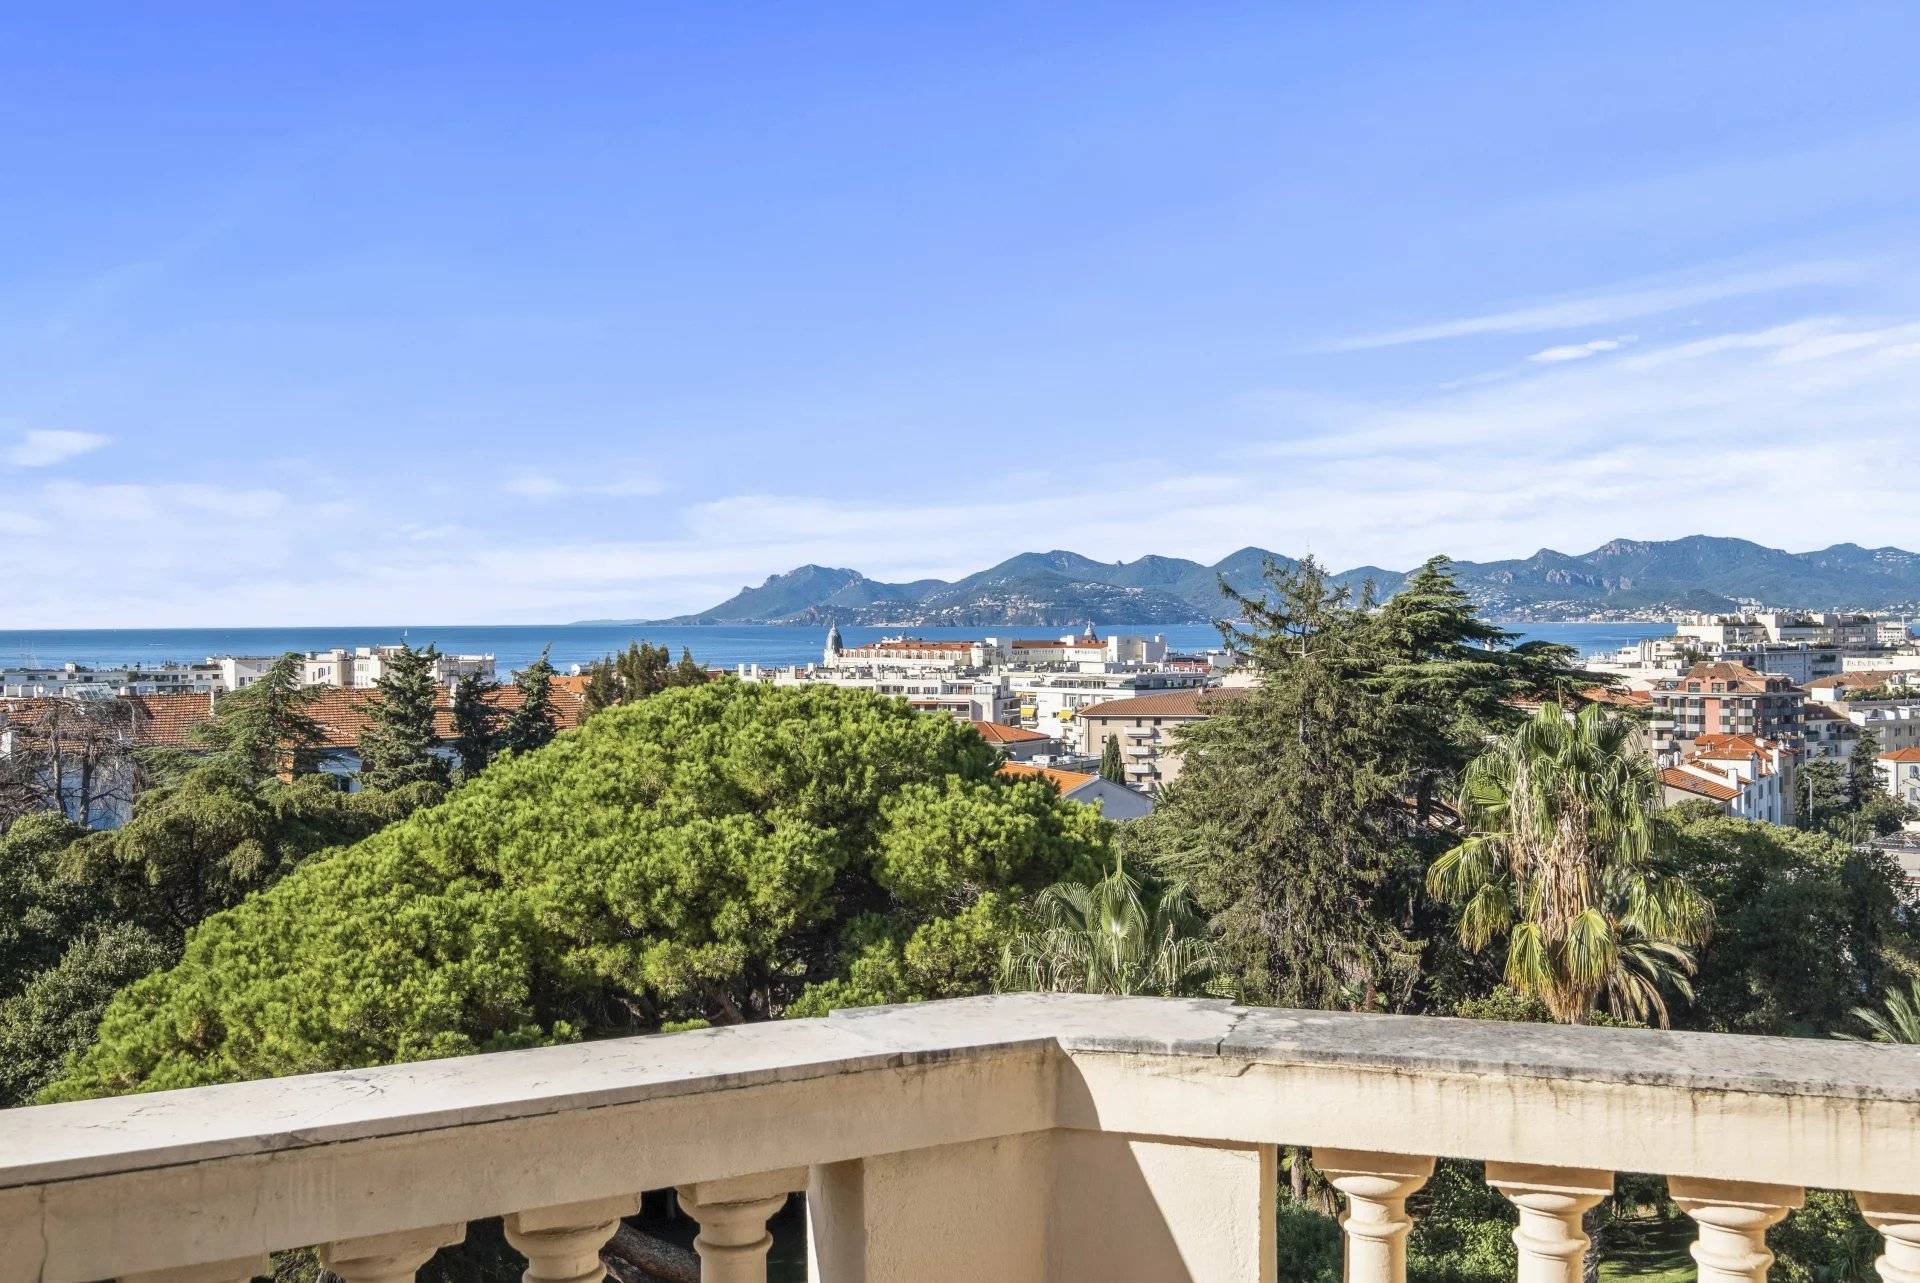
(833, 644)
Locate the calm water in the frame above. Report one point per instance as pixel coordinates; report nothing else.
(517, 644)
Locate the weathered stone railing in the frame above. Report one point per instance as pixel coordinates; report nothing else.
(1023, 1139)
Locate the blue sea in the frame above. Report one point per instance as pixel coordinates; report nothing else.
(516, 645)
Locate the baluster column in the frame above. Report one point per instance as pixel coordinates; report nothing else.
(388, 1258)
(1734, 1217)
(733, 1239)
(1376, 1221)
(1552, 1203)
(241, 1269)
(562, 1244)
(1897, 1217)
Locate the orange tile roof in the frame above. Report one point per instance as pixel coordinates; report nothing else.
(1864, 679)
(1911, 754)
(1065, 781)
(1617, 698)
(912, 643)
(344, 713)
(1724, 671)
(1687, 782)
(999, 733)
(1729, 746)
(1187, 703)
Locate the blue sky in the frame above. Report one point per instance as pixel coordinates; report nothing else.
(468, 313)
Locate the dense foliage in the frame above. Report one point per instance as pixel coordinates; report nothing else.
(83, 914)
(1307, 806)
(637, 672)
(718, 853)
(1560, 866)
(1123, 932)
(1806, 927)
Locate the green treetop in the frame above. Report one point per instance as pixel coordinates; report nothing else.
(728, 851)
(640, 671)
(531, 724)
(1559, 867)
(1863, 769)
(265, 724)
(398, 749)
(475, 724)
(1288, 820)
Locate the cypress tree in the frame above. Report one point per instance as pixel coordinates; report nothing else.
(1863, 772)
(1111, 767)
(398, 750)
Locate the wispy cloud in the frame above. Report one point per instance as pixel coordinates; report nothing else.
(1579, 351)
(1566, 452)
(540, 485)
(45, 447)
(1609, 307)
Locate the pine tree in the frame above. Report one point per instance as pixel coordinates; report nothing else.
(688, 671)
(531, 725)
(266, 724)
(1823, 793)
(1111, 768)
(640, 671)
(1454, 680)
(398, 749)
(1287, 820)
(475, 732)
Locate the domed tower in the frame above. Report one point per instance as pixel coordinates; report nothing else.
(833, 644)
(1089, 635)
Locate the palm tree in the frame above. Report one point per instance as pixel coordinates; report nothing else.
(1898, 1020)
(1560, 863)
(1120, 933)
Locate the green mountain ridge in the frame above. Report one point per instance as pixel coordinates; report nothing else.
(1060, 588)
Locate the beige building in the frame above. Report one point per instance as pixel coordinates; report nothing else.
(1144, 726)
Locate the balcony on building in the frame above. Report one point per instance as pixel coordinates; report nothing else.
(1021, 1139)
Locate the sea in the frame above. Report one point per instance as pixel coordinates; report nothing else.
(517, 645)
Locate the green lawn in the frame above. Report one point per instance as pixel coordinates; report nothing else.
(1648, 1250)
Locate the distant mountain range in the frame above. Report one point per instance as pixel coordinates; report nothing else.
(1620, 579)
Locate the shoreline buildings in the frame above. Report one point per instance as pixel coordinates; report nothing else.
(1040, 685)
(360, 667)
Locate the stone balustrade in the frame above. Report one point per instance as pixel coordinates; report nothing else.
(1025, 1139)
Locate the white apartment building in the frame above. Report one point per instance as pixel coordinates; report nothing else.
(80, 681)
(967, 697)
(1048, 701)
(1900, 774)
(366, 665)
(1893, 632)
(1086, 650)
(1883, 662)
(1748, 777)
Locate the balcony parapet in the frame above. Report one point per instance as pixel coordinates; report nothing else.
(984, 1137)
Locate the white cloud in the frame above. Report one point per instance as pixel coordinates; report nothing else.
(45, 447)
(1609, 307)
(539, 485)
(1566, 453)
(1579, 351)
